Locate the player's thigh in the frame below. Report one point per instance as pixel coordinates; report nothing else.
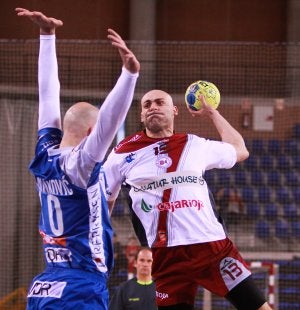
(224, 268)
(171, 270)
(173, 290)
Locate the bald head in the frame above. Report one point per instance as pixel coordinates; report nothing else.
(78, 122)
(156, 93)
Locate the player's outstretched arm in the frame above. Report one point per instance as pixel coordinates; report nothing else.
(47, 24)
(116, 105)
(49, 86)
(128, 58)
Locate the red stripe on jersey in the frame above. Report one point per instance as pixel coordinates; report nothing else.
(174, 148)
(135, 142)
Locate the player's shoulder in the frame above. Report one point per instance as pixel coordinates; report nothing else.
(48, 138)
(195, 138)
(125, 285)
(133, 282)
(132, 143)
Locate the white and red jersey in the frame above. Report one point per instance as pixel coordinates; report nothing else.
(170, 197)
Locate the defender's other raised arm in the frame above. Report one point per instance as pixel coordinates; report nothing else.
(116, 105)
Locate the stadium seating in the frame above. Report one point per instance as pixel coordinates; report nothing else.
(118, 210)
(271, 211)
(296, 161)
(224, 176)
(274, 146)
(270, 187)
(258, 146)
(284, 162)
(269, 183)
(265, 194)
(253, 210)
(248, 194)
(296, 229)
(252, 162)
(262, 229)
(296, 131)
(282, 229)
(283, 195)
(257, 178)
(296, 194)
(289, 284)
(290, 211)
(274, 178)
(290, 147)
(240, 177)
(267, 162)
(291, 178)
(210, 178)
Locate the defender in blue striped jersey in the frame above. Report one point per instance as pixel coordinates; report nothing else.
(74, 222)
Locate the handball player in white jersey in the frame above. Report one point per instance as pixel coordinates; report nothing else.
(172, 209)
(74, 223)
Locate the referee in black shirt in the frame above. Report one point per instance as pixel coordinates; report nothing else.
(137, 293)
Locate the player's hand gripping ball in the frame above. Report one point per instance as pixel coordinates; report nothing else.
(207, 89)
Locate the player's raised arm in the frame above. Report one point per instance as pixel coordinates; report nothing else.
(49, 86)
(128, 58)
(47, 24)
(226, 131)
(116, 105)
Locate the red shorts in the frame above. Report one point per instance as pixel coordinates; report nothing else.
(178, 271)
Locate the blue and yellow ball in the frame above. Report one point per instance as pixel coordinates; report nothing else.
(207, 89)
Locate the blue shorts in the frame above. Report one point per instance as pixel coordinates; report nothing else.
(63, 288)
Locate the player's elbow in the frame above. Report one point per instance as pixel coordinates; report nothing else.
(242, 154)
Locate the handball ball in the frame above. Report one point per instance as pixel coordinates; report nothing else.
(207, 89)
